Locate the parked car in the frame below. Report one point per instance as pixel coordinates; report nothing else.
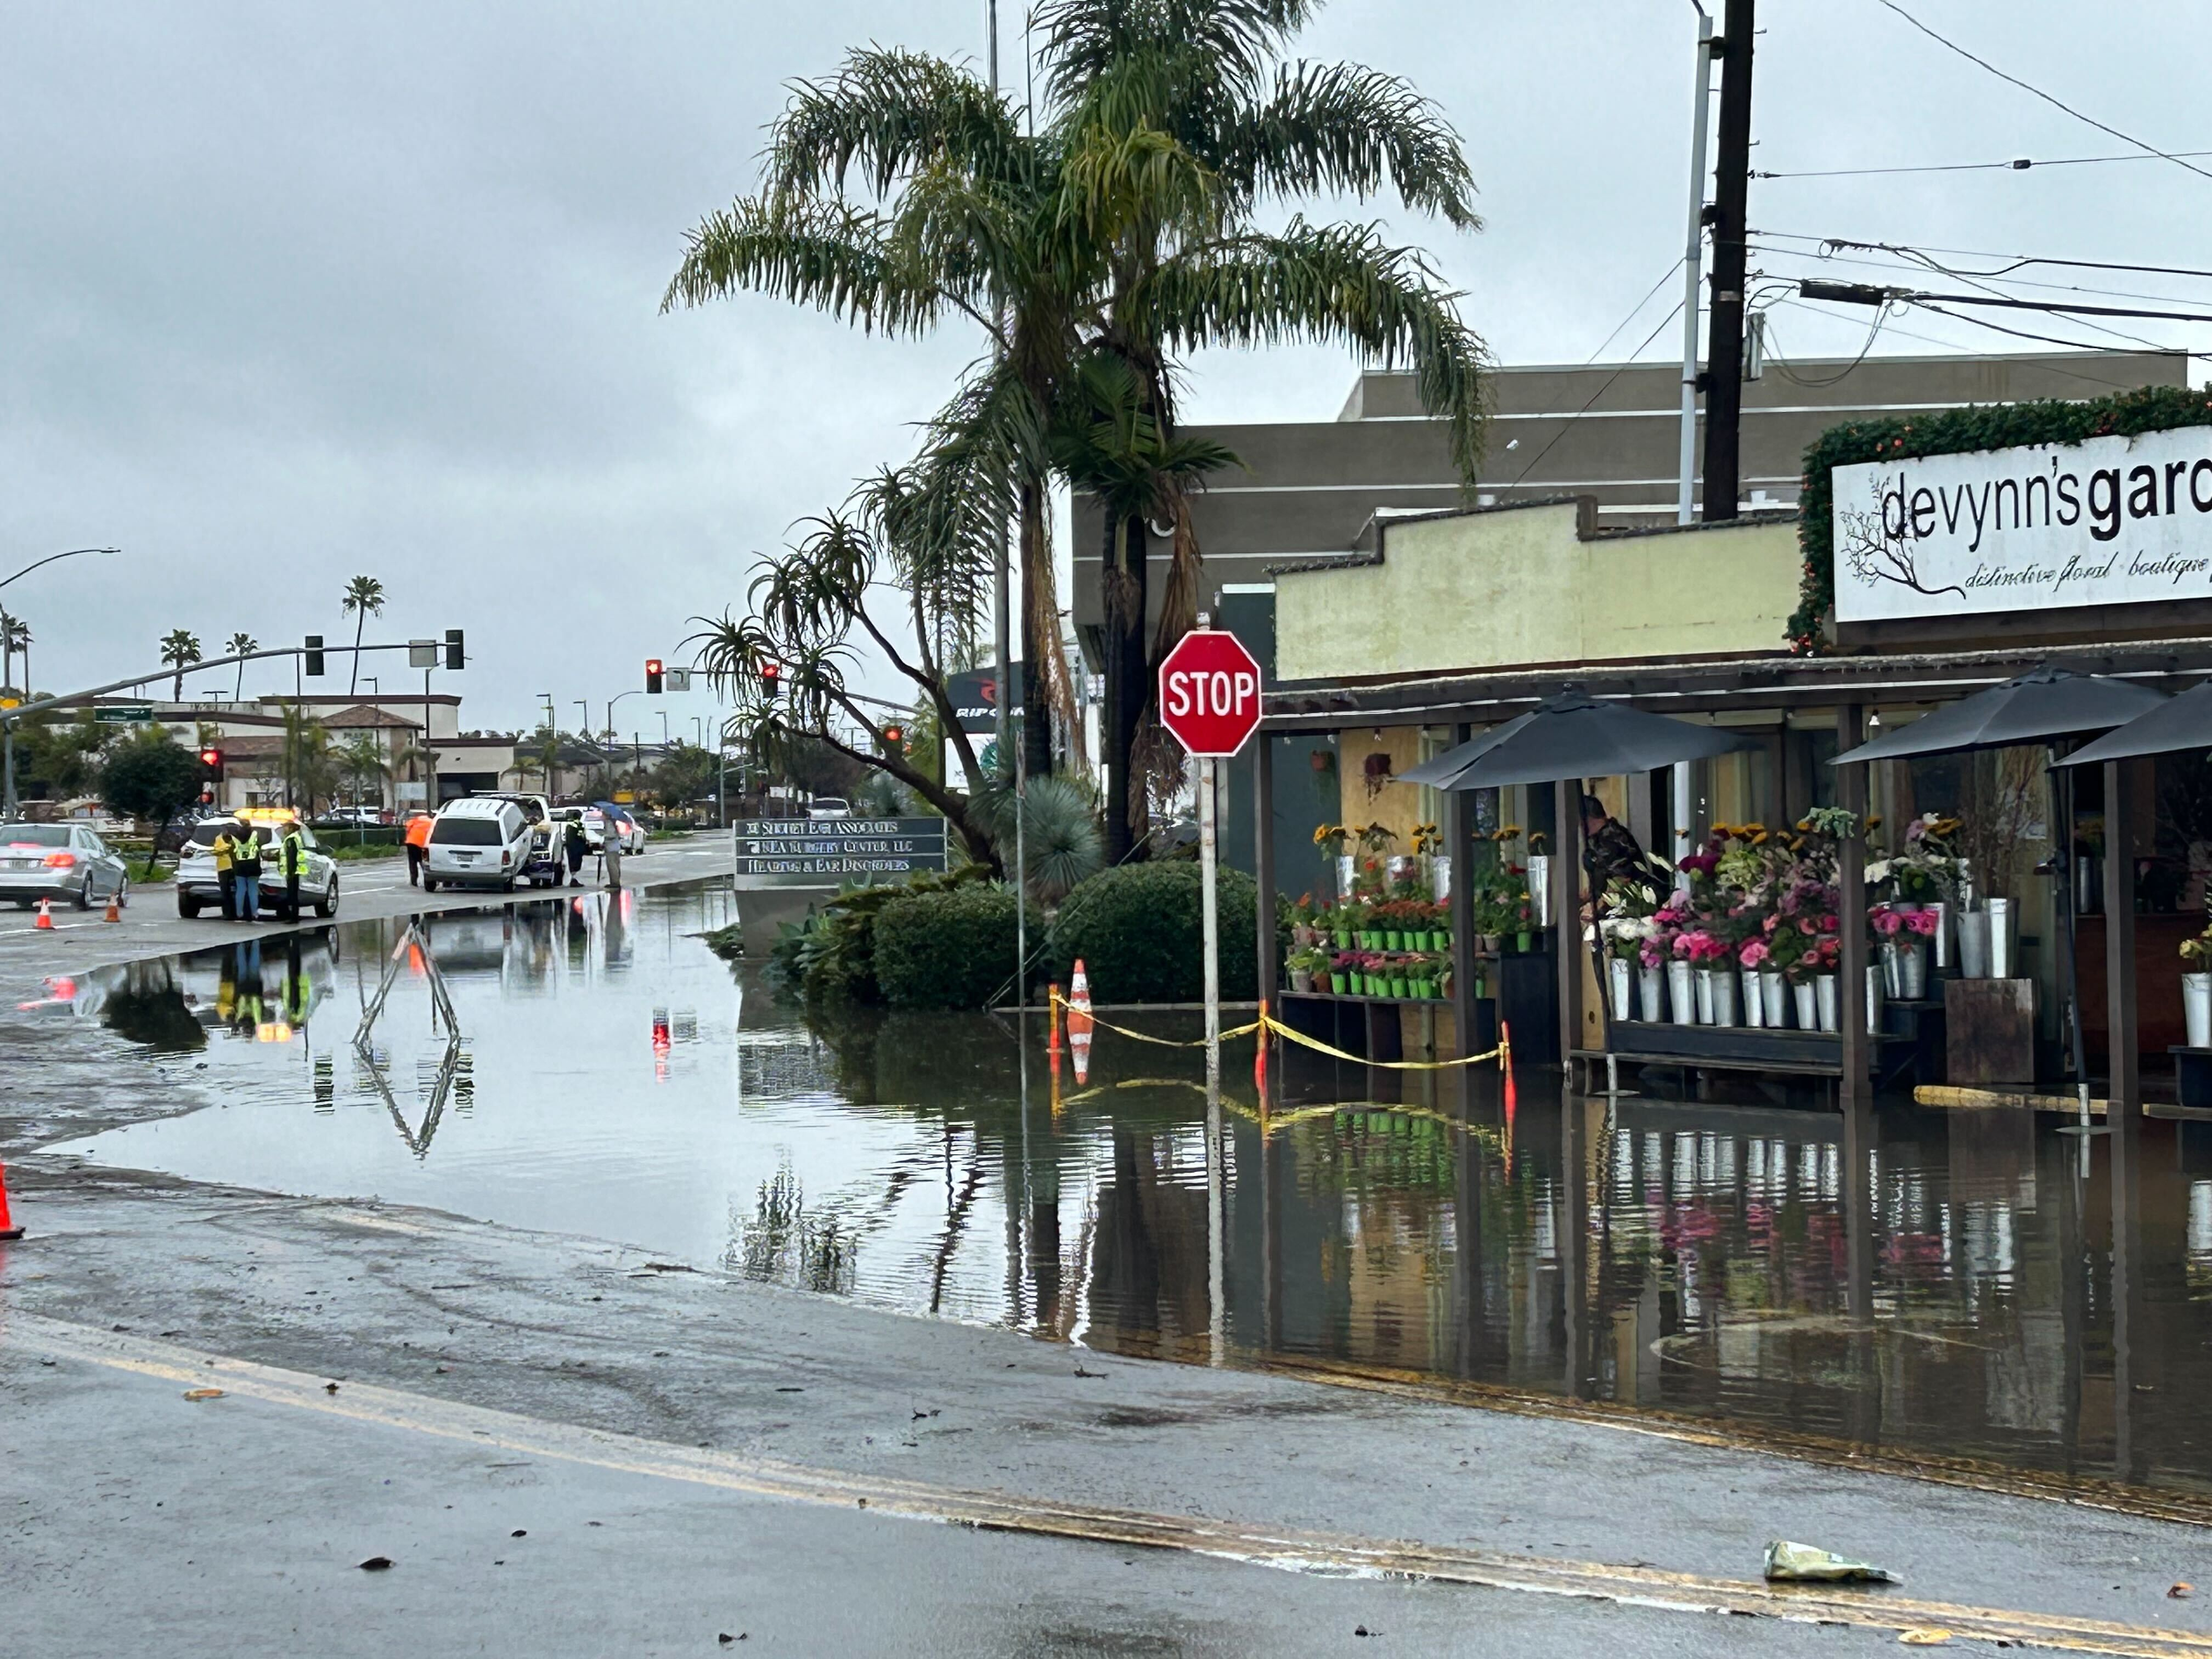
(828, 806)
(349, 817)
(59, 861)
(630, 834)
(479, 841)
(200, 887)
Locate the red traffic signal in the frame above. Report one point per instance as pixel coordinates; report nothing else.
(771, 675)
(653, 676)
(893, 736)
(212, 759)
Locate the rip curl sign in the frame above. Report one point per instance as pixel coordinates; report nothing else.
(2106, 521)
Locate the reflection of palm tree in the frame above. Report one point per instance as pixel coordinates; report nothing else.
(181, 649)
(364, 598)
(241, 643)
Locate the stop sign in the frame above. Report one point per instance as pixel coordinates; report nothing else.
(1209, 692)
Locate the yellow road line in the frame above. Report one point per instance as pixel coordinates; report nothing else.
(1288, 1548)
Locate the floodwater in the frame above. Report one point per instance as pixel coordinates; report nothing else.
(611, 1077)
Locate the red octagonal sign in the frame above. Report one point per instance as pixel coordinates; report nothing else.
(1209, 692)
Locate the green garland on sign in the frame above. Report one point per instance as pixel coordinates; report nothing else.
(1956, 432)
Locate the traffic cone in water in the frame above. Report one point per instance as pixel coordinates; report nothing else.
(1078, 1021)
(8, 1228)
(45, 914)
(114, 908)
(1052, 1028)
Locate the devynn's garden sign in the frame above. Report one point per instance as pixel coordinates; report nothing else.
(2107, 520)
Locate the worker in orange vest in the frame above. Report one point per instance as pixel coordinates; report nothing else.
(418, 839)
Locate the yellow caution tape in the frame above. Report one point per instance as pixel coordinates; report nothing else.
(1502, 1052)
(1145, 1036)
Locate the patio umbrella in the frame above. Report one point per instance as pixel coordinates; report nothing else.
(1573, 735)
(2049, 702)
(2182, 722)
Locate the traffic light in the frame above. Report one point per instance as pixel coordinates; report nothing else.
(212, 759)
(771, 675)
(314, 666)
(895, 735)
(653, 676)
(455, 657)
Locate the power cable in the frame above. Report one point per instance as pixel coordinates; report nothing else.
(1964, 276)
(2016, 260)
(2018, 164)
(1814, 308)
(2055, 103)
(1781, 363)
(1674, 269)
(1603, 387)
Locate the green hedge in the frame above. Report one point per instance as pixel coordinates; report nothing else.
(1956, 432)
(1137, 929)
(948, 950)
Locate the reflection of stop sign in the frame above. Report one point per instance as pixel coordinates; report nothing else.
(1209, 692)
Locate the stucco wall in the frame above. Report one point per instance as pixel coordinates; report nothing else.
(1521, 587)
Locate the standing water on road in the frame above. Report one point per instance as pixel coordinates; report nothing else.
(612, 1078)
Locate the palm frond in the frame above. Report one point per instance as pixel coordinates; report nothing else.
(1344, 129)
(1329, 284)
(886, 114)
(830, 255)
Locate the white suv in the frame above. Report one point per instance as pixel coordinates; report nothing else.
(200, 887)
(482, 840)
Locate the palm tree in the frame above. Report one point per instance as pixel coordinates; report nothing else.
(15, 634)
(364, 598)
(1129, 222)
(239, 645)
(1112, 446)
(7, 652)
(360, 762)
(181, 649)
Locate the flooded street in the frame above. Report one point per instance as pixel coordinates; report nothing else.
(612, 1078)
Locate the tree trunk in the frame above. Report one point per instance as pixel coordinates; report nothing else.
(1119, 603)
(1040, 634)
(353, 685)
(1131, 800)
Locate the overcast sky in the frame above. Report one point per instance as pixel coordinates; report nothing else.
(291, 293)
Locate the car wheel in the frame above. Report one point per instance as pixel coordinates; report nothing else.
(508, 886)
(123, 894)
(187, 906)
(327, 905)
(83, 899)
(429, 883)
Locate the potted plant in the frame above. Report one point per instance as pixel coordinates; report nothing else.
(1341, 966)
(2197, 988)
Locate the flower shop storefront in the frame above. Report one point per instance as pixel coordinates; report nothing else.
(1983, 881)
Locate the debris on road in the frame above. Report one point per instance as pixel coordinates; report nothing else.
(1800, 1564)
(1926, 1636)
(377, 1563)
(202, 1393)
(2182, 1591)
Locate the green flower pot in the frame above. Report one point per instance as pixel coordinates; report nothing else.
(1426, 989)
(1397, 987)
(1393, 941)
(1521, 942)
(1336, 983)
(1343, 939)
(1442, 937)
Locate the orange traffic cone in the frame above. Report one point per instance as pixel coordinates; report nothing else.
(1078, 1021)
(114, 908)
(1052, 1036)
(45, 914)
(8, 1228)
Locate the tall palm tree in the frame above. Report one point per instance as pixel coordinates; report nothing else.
(1131, 221)
(238, 646)
(7, 652)
(16, 634)
(364, 598)
(181, 649)
(1113, 446)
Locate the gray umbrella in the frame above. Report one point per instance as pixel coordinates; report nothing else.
(1573, 735)
(2182, 722)
(2050, 702)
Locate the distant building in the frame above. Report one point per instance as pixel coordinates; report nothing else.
(1608, 431)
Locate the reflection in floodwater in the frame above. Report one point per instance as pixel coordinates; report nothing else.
(611, 1076)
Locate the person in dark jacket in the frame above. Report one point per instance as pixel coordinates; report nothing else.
(1609, 851)
(576, 847)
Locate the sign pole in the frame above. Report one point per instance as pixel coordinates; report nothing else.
(1207, 852)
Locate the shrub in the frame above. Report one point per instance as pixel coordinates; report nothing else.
(1137, 929)
(948, 950)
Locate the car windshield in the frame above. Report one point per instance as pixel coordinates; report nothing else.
(465, 832)
(34, 834)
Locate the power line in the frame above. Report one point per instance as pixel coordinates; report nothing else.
(1908, 264)
(1603, 387)
(1673, 266)
(2018, 164)
(2016, 260)
(1813, 308)
(2055, 103)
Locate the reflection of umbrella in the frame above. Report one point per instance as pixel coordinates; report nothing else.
(2182, 722)
(2050, 702)
(1573, 735)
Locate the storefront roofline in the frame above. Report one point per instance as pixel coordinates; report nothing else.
(1720, 687)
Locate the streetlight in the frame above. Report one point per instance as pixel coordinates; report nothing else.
(552, 741)
(662, 713)
(7, 731)
(633, 692)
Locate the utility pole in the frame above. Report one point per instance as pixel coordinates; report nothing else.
(1724, 342)
(1685, 507)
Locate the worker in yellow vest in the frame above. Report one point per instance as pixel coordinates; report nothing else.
(292, 864)
(226, 877)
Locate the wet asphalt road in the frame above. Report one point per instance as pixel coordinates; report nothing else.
(366, 889)
(483, 1371)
